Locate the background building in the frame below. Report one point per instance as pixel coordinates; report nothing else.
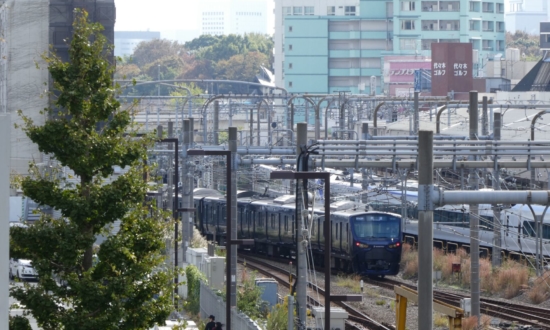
(328, 46)
(126, 41)
(526, 15)
(28, 28)
(223, 17)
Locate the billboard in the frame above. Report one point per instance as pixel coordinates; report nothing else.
(403, 71)
(452, 69)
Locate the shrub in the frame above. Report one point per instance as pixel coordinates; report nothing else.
(351, 282)
(194, 276)
(411, 269)
(19, 322)
(278, 318)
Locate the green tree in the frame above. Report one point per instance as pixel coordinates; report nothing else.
(528, 45)
(149, 51)
(124, 287)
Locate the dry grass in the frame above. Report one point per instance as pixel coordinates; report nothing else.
(540, 291)
(411, 269)
(469, 323)
(351, 282)
(440, 320)
(198, 241)
(409, 261)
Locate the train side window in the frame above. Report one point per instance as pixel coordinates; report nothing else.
(437, 216)
(285, 220)
(273, 221)
(486, 222)
(545, 231)
(529, 228)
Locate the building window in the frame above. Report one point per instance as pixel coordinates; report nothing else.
(308, 10)
(488, 7)
(474, 25)
(287, 11)
(290, 65)
(407, 6)
(290, 84)
(349, 11)
(331, 10)
(407, 44)
(289, 47)
(296, 10)
(407, 24)
(290, 29)
(500, 8)
(474, 6)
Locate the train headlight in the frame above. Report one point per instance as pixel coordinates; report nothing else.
(393, 246)
(361, 245)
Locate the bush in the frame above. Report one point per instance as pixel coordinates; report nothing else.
(249, 300)
(278, 318)
(19, 322)
(194, 276)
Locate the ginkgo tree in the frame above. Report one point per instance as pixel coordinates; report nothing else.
(124, 284)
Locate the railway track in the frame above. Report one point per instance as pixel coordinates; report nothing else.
(522, 314)
(356, 318)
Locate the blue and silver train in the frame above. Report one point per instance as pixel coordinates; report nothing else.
(364, 242)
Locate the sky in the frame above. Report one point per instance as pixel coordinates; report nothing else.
(160, 15)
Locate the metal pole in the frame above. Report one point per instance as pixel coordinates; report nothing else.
(216, 122)
(416, 112)
(425, 230)
(258, 124)
(301, 269)
(290, 324)
(327, 250)
(497, 223)
(187, 189)
(229, 279)
(5, 150)
(474, 215)
(232, 215)
(251, 127)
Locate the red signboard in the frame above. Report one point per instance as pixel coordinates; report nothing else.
(452, 68)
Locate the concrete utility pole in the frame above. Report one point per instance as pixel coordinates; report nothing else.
(416, 113)
(425, 230)
(474, 214)
(5, 149)
(216, 122)
(497, 223)
(187, 188)
(301, 242)
(232, 142)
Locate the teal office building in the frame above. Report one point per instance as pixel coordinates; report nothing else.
(325, 46)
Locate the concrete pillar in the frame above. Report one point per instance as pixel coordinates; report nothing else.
(186, 188)
(497, 223)
(484, 118)
(416, 112)
(425, 230)
(216, 122)
(474, 215)
(232, 142)
(251, 127)
(301, 286)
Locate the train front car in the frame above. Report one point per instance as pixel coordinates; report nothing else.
(376, 243)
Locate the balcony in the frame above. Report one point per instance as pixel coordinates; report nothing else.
(449, 25)
(428, 6)
(449, 6)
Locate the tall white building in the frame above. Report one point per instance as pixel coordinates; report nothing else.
(526, 15)
(304, 7)
(223, 17)
(127, 41)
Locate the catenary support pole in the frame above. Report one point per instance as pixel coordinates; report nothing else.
(425, 230)
(5, 149)
(416, 113)
(496, 258)
(251, 127)
(474, 214)
(484, 118)
(186, 189)
(232, 177)
(216, 122)
(301, 271)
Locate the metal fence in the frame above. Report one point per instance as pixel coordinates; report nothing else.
(212, 304)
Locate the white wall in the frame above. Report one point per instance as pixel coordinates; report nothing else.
(26, 25)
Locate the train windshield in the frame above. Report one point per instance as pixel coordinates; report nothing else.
(376, 226)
